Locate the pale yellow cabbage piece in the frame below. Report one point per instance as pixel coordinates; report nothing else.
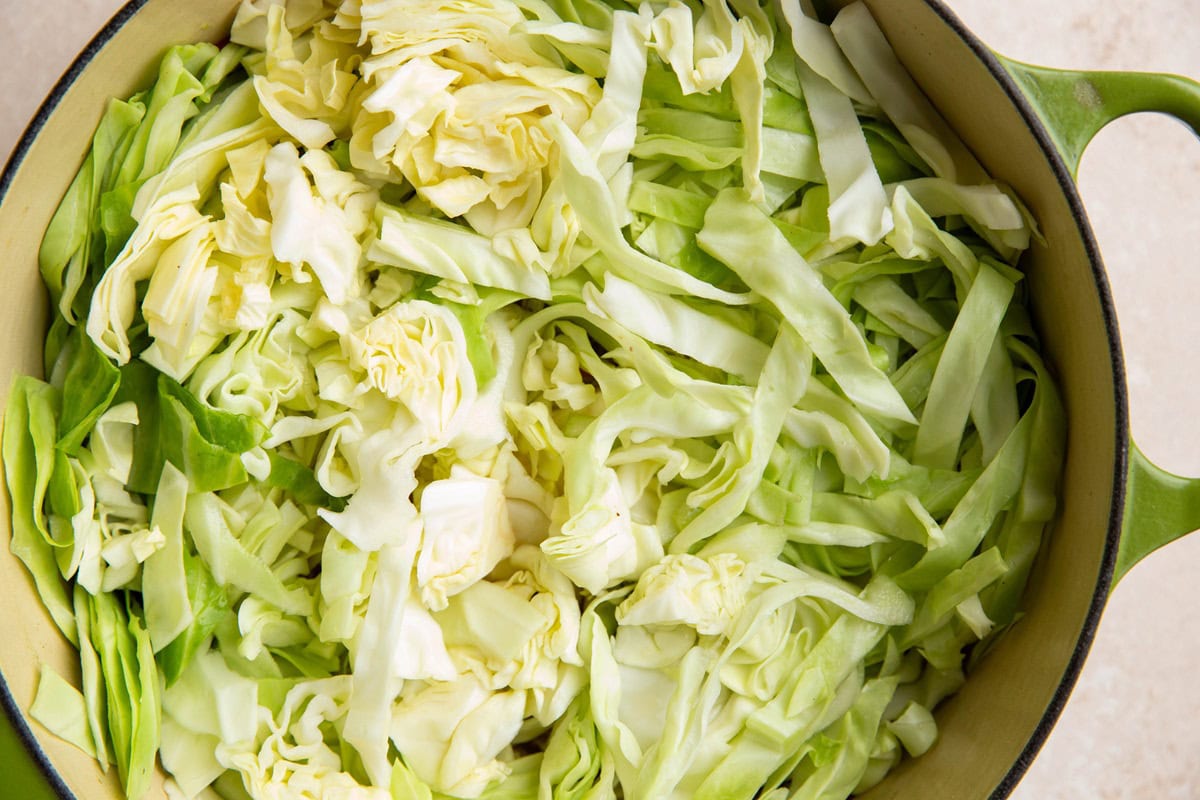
(466, 534)
(456, 104)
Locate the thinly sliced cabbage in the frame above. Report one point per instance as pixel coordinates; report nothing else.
(466, 533)
(62, 709)
(437, 248)
(511, 399)
(672, 323)
(864, 44)
(743, 237)
(29, 434)
(164, 576)
(318, 215)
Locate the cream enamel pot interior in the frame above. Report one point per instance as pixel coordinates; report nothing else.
(1027, 125)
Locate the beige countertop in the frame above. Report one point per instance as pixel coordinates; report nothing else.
(1129, 730)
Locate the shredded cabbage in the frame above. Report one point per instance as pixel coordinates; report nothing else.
(566, 400)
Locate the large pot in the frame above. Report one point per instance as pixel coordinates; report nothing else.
(1027, 125)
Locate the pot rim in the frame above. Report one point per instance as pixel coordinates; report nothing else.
(1108, 311)
(1108, 561)
(8, 703)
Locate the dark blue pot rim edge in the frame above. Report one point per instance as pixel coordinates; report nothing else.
(1070, 191)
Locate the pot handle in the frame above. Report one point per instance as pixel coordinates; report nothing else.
(1074, 106)
(1159, 508)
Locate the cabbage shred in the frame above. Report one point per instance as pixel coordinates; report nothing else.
(494, 399)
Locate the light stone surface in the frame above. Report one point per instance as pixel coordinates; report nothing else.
(1129, 730)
